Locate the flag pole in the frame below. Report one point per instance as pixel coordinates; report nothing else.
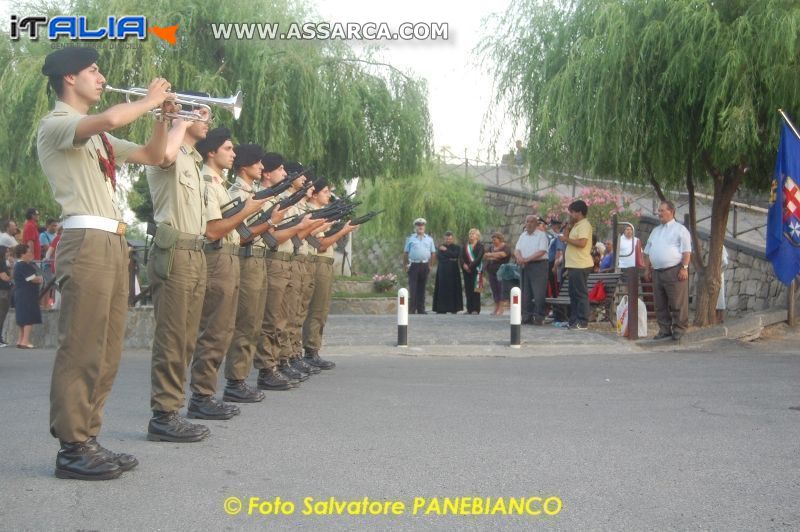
(789, 123)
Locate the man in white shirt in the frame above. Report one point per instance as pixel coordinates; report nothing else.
(667, 256)
(8, 236)
(531, 255)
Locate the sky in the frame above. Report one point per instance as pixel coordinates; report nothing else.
(459, 91)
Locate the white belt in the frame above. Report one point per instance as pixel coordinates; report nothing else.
(418, 261)
(85, 221)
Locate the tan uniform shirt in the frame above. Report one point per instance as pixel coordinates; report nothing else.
(328, 252)
(73, 169)
(304, 207)
(177, 192)
(287, 246)
(216, 196)
(240, 189)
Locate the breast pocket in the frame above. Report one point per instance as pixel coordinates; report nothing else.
(188, 185)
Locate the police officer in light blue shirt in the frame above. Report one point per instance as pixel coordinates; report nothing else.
(418, 255)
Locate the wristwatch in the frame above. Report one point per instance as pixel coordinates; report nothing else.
(685, 266)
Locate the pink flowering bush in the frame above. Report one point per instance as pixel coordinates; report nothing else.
(603, 205)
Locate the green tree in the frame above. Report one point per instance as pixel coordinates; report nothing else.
(448, 200)
(314, 101)
(670, 92)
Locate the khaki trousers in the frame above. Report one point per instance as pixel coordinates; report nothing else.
(307, 271)
(671, 298)
(93, 276)
(177, 306)
(273, 325)
(293, 307)
(217, 322)
(249, 314)
(318, 307)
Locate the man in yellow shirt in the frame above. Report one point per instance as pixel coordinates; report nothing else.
(579, 263)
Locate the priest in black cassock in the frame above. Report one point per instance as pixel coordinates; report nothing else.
(447, 295)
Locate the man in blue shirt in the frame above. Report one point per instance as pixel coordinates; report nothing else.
(418, 254)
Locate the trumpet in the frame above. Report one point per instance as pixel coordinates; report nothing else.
(232, 104)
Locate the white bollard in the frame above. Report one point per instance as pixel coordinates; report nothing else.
(516, 317)
(402, 318)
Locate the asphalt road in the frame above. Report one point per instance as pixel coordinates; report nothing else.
(626, 439)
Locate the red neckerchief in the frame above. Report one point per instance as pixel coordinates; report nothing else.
(108, 166)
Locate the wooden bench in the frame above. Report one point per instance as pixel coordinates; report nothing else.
(610, 282)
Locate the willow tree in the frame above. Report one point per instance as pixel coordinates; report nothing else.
(448, 200)
(314, 101)
(667, 92)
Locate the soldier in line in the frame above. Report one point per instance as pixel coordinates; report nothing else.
(322, 267)
(247, 168)
(218, 317)
(177, 272)
(79, 158)
(298, 292)
(274, 322)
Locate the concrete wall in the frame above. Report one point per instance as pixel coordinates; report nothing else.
(138, 335)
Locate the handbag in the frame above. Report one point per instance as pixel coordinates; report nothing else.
(598, 292)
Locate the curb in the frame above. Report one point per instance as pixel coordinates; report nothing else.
(747, 327)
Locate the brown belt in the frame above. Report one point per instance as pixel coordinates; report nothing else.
(280, 255)
(227, 248)
(252, 251)
(326, 260)
(190, 244)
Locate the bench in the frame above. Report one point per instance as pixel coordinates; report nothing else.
(610, 282)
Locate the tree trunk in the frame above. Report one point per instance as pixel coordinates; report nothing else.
(708, 278)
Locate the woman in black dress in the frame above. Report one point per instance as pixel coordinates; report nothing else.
(26, 295)
(471, 261)
(447, 289)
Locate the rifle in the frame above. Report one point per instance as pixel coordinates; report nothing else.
(285, 203)
(336, 210)
(360, 220)
(236, 205)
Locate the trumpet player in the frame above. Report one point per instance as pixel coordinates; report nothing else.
(79, 158)
(177, 273)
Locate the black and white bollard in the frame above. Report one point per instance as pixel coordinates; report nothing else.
(402, 318)
(516, 317)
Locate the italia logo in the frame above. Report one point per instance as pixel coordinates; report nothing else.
(79, 29)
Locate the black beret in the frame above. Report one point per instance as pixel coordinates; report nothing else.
(319, 184)
(292, 167)
(247, 154)
(272, 161)
(214, 139)
(68, 61)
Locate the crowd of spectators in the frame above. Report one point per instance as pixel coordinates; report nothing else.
(27, 264)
